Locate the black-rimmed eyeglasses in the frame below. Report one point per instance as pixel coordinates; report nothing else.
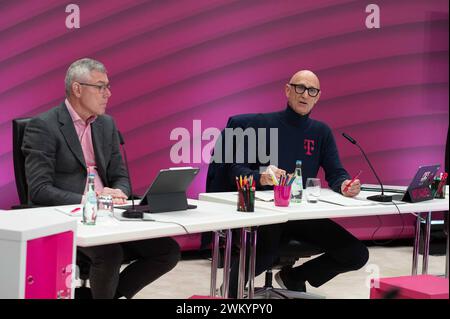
(101, 87)
(300, 89)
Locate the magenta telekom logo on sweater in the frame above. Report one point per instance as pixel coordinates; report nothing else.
(309, 146)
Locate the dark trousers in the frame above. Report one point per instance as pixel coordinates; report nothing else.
(342, 252)
(150, 259)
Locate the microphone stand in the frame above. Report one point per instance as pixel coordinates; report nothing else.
(131, 212)
(377, 198)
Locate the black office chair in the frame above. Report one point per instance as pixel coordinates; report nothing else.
(19, 126)
(217, 180)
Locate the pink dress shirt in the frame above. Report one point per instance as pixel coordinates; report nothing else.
(84, 133)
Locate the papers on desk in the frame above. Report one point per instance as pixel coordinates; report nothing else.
(264, 196)
(71, 211)
(338, 199)
(78, 211)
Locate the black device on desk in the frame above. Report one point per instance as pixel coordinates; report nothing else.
(166, 193)
(419, 188)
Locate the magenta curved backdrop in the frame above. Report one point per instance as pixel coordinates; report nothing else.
(172, 62)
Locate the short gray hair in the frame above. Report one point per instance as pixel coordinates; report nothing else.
(80, 71)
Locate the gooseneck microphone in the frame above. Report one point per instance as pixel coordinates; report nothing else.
(131, 212)
(376, 198)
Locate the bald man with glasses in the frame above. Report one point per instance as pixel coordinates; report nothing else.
(299, 138)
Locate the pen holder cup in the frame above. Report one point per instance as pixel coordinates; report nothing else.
(282, 195)
(246, 201)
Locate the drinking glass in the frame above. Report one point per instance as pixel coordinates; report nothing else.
(105, 207)
(312, 190)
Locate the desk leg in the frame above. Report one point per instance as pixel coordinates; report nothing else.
(243, 250)
(426, 247)
(251, 273)
(416, 247)
(226, 263)
(214, 264)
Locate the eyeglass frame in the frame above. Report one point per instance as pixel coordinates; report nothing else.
(101, 87)
(305, 89)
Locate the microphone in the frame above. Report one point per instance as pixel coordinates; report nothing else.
(376, 198)
(131, 212)
(349, 138)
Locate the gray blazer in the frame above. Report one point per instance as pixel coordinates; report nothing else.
(54, 163)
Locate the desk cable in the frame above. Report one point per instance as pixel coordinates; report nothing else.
(159, 221)
(380, 224)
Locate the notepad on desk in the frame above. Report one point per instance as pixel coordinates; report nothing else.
(265, 196)
(338, 199)
(70, 211)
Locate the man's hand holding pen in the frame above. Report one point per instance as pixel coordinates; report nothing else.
(272, 172)
(351, 188)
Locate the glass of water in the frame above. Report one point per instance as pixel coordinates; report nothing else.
(312, 190)
(105, 206)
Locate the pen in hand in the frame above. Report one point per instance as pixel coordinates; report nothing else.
(274, 177)
(351, 182)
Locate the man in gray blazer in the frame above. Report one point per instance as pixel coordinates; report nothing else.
(65, 143)
(56, 168)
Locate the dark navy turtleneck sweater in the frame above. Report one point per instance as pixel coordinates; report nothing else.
(299, 138)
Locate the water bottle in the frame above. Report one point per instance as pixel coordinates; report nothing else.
(297, 185)
(90, 204)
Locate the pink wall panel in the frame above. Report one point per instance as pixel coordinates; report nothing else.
(172, 62)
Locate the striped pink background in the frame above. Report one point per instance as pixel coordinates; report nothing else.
(171, 62)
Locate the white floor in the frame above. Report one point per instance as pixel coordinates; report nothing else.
(191, 276)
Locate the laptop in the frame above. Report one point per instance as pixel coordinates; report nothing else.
(167, 192)
(422, 180)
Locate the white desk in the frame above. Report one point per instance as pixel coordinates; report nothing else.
(206, 217)
(319, 210)
(304, 210)
(36, 248)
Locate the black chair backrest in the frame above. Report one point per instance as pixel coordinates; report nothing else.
(19, 126)
(218, 178)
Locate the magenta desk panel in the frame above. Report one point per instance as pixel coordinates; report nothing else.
(48, 267)
(411, 287)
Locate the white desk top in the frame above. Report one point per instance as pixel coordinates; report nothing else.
(206, 217)
(210, 216)
(319, 210)
(27, 224)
